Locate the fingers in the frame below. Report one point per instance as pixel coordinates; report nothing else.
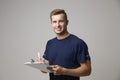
(50, 68)
(45, 61)
(38, 59)
(55, 69)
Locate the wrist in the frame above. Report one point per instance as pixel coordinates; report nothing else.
(64, 71)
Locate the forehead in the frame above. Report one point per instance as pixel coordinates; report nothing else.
(58, 16)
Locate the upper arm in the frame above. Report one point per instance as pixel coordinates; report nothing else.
(86, 66)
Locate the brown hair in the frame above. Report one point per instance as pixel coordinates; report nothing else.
(58, 11)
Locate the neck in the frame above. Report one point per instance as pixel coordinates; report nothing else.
(62, 36)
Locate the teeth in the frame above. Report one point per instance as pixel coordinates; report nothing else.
(57, 29)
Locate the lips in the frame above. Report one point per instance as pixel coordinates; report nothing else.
(58, 29)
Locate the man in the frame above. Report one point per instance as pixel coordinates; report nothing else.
(67, 53)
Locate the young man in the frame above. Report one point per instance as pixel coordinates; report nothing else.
(67, 53)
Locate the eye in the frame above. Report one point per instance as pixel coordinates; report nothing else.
(61, 21)
(54, 21)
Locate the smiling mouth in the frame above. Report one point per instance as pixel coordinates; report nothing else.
(58, 29)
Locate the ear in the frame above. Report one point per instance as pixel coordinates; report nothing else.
(67, 22)
(51, 23)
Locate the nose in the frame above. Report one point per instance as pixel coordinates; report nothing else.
(57, 24)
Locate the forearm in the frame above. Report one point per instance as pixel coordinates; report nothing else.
(76, 72)
(83, 70)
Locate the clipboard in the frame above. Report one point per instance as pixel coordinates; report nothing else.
(38, 65)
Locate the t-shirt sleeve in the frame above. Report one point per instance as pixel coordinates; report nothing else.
(82, 52)
(46, 51)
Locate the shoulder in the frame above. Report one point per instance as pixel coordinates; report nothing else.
(77, 41)
(51, 40)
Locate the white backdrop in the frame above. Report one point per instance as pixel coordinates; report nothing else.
(25, 29)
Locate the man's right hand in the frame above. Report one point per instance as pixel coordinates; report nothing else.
(41, 60)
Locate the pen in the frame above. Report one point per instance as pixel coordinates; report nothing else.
(39, 56)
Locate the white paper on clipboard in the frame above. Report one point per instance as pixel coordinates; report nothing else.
(38, 65)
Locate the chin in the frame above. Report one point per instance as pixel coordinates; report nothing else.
(58, 32)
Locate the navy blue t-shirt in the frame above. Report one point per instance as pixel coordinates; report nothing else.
(68, 53)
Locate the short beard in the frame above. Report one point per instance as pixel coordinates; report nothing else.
(62, 33)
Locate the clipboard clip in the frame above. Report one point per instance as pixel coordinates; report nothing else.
(32, 61)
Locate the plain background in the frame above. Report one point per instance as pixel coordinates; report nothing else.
(25, 28)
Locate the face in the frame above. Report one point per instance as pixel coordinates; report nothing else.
(59, 24)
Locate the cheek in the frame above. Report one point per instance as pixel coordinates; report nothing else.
(53, 25)
(63, 25)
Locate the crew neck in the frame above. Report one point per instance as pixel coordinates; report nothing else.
(63, 38)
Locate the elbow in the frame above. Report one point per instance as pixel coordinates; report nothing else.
(88, 72)
(85, 73)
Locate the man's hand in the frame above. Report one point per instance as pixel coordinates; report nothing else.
(56, 69)
(42, 60)
(38, 59)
